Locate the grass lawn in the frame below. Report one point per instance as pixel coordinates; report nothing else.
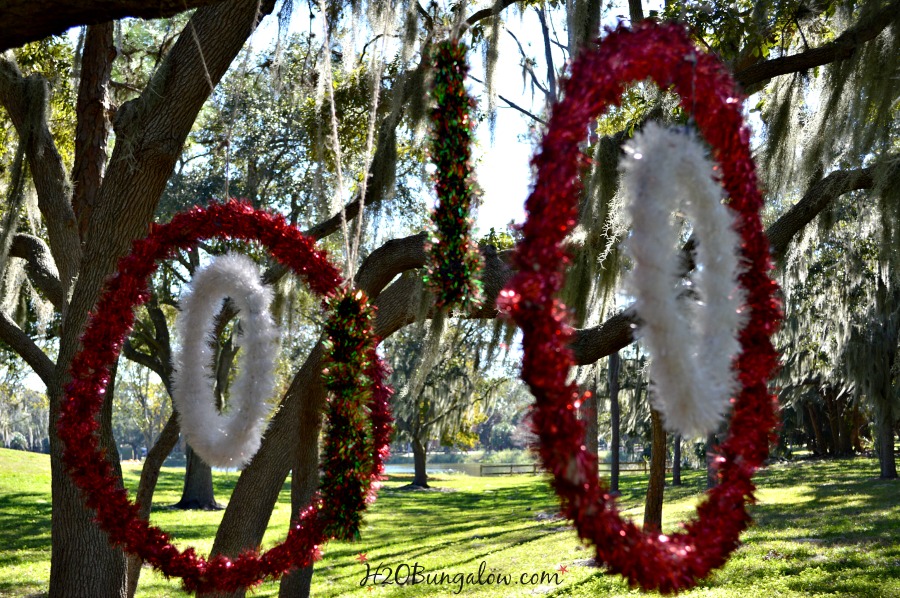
(822, 528)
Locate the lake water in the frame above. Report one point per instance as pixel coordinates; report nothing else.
(408, 468)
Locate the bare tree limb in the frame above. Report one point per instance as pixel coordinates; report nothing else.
(27, 21)
(548, 54)
(842, 48)
(485, 13)
(514, 105)
(92, 129)
(526, 65)
(523, 111)
(22, 344)
(39, 266)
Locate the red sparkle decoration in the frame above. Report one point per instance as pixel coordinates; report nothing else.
(666, 55)
(107, 330)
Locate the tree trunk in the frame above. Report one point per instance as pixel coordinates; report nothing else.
(588, 412)
(304, 483)
(820, 445)
(676, 460)
(653, 505)
(156, 456)
(712, 471)
(614, 416)
(420, 454)
(292, 433)
(198, 487)
(885, 430)
(83, 564)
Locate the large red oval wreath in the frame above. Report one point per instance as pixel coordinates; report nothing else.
(352, 366)
(666, 55)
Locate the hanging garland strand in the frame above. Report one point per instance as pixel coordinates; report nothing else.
(348, 347)
(107, 330)
(651, 560)
(454, 261)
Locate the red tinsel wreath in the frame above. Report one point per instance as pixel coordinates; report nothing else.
(666, 55)
(355, 370)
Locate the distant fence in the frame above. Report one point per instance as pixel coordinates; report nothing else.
(492, 469)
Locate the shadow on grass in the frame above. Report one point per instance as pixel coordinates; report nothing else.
(24, 523)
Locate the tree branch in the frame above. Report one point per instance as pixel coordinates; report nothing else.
(92, 130)
(485, 13)
(22, 344)
(515, 106)
(591, 344)
(25, 100)
(39, 266)
(635, 11)
(822, 193)
(27, 21)
(150, 132)
(548, 54)
(842, 48)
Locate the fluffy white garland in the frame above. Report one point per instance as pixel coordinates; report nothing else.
(225, 439)
(666, 172)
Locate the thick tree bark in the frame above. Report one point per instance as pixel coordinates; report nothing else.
(197, 493)
(420, 465)
(304, 483)
(887, 459)
(657, 483)
(150, 134)
(614, 416)
(27, 21)
(635, 11)
(39, 266)
(291, 440)
(92, 129)
(25, 101)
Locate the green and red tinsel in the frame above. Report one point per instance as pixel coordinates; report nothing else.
(453, 258)
(349, 354)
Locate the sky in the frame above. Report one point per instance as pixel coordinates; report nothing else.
(502, 165)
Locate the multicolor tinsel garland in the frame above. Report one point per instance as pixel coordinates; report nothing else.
(453, 258)
(348, 347)
(224, 439)
(652, 560)
(107, 329)
(664, 172)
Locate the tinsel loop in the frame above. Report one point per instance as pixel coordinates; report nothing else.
(107, 329)
(665, 54)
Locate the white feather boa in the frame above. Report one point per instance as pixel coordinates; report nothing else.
(666, 172)
(225, 439)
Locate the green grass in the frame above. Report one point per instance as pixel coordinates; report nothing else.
(822, 528)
